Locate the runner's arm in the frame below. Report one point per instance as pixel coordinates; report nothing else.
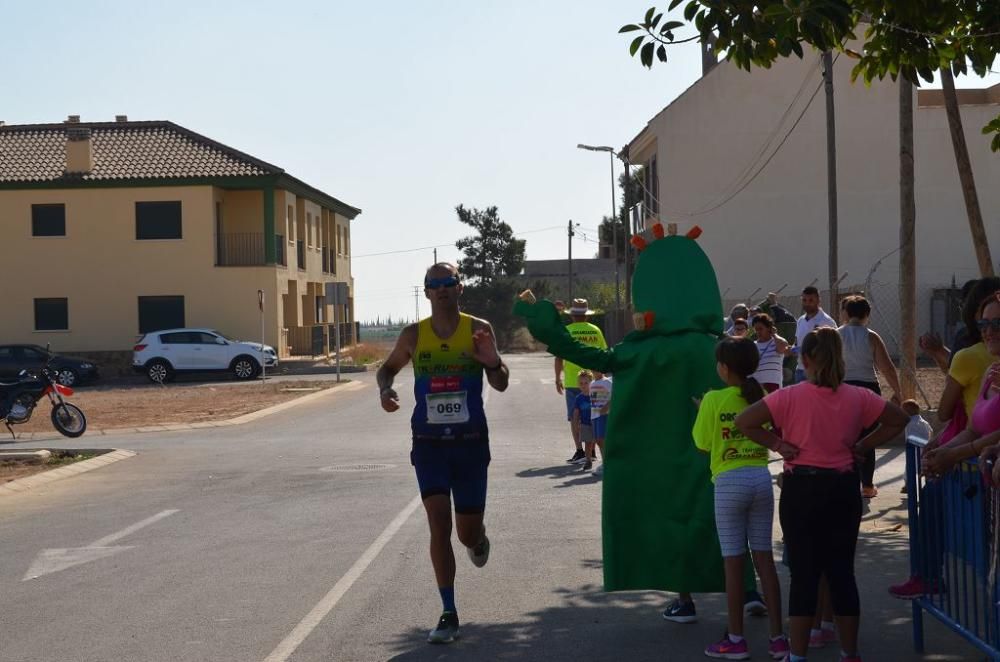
(399, 357)
(486, 352)
(559, 368)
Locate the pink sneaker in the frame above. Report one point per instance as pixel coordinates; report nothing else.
(822, 637)
(913, 588)
(724, 649)
(778, 648)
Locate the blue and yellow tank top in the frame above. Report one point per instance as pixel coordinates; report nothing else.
(448, 385)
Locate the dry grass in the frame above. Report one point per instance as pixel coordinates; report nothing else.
(13, 470)
(136, 406)
(369, 352)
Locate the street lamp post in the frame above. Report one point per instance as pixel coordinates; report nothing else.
(614, 220)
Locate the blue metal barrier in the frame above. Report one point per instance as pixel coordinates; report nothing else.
(952, 550)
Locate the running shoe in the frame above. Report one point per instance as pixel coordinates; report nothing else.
(680, 612)
(446, 630)
(754, 604)
(778, 648)
(577, 458)
(480, 554)
(913, 588)
(820, 638)
(725, 649)
(599, 470)
(588, 464)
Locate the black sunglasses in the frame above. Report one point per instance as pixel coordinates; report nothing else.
(437, 283)
(992, 324)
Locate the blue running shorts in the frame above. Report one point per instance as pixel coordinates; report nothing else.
(453, 468)
(570, 394)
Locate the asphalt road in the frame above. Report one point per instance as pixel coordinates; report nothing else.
(248, 544)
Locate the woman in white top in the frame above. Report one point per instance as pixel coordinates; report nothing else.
(773, 349)
(865, 358)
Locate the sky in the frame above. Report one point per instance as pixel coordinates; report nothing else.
(402, 109)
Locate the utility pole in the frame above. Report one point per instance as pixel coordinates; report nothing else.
(907, 244)
(569, 244)
(628, 232)
(831, 175)
(416, 302)
(614, 243)
(435, 256)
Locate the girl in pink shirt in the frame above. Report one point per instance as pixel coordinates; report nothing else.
(820, 510)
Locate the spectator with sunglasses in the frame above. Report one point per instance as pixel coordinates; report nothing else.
(450, 352)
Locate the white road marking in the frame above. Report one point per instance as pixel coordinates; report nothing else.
(548, 380)
(290, 643)
(54, 560)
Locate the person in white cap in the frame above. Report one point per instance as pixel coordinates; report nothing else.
(567, 372)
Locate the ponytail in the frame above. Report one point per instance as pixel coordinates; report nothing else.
(825, 351)
(751, 390)
(741, 357)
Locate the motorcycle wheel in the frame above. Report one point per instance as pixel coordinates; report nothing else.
(69, 420)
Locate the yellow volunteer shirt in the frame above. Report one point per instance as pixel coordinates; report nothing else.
(715, 433)
(588, 334)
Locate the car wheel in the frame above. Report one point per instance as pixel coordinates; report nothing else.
(159, 371)
(245, 367)
(67, 377)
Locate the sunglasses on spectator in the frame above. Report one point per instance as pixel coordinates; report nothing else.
(991, 324)
(438, 283)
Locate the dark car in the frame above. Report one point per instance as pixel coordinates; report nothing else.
(71, 371)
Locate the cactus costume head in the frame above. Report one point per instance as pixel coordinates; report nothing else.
(658, 520)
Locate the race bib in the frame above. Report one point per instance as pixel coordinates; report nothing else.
(447, 408)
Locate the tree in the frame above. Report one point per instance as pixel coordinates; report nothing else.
(608, 227)
(493, 252)
(491, 258)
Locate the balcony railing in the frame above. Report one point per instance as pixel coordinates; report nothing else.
(240, 249)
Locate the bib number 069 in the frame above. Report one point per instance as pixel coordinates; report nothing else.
(449, 408)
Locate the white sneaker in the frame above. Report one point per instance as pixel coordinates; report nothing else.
(446, 630)
(480, 554)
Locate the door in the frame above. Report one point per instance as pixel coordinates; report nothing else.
(7, 372)
(207, 353)
(31, 359)
(176, 348)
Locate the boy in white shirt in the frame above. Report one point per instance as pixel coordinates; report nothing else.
(600, 407)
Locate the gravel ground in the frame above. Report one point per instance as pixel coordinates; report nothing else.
(134, 406)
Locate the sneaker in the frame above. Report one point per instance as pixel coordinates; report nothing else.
(913, 588)
(480, 554)
(820, 638)
(754, 604)
(869, 492)
(577, 458)
(588, 464)
(446, 630)
(680, 612)
(599, 470)
(778, 648)
(725, 649)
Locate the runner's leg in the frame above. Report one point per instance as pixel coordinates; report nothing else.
(438, 507)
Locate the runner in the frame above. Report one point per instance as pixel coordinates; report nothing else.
(450, 351)
(567, 372)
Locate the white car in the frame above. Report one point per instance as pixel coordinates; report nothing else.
(160, 355)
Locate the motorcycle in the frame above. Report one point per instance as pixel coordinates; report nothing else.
(19, 399)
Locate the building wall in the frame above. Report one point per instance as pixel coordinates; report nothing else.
(775, 231)
(102, 269)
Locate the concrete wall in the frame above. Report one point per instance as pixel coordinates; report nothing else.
(775, 231)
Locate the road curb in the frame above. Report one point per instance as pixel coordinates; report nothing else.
(45, 477)
(178, 427)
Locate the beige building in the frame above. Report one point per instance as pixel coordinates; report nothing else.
(113, 229)
(743, 155)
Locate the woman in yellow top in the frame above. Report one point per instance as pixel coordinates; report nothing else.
(744, 498)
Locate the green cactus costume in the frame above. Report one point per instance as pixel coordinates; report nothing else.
(658, 518)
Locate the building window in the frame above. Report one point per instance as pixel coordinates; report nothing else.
(51, 314)
(309, 230)
(48, 220)
(347, 241)
(158, 220)
(157, 313)
(290, 224)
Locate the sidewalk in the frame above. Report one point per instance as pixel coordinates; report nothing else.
(882, 560)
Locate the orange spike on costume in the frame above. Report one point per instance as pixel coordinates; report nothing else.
(658, 230)
(639, 243)
(693, 233)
